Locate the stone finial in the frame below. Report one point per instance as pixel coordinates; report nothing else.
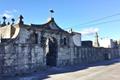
(21, 20)
(13, 20)
(4, 23)
(4, 18)
(8, 23)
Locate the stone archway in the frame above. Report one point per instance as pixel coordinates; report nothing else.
(51, 51)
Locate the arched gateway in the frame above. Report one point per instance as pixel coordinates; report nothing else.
(51, 51)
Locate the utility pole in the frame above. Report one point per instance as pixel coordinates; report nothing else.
(96, 43)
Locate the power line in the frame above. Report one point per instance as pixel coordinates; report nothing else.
(96, 20)
(105, 22)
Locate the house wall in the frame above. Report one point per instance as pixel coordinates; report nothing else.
(79, 55)
(25, 58)
(20, 58)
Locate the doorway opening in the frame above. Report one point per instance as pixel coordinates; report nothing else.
(51, 51)
(106, 56)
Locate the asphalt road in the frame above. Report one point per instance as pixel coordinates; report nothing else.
(107, 70)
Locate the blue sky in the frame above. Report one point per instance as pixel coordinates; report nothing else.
(69, 13)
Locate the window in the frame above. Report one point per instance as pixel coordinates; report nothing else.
(65, 41)
(36, 38)
(43, 40)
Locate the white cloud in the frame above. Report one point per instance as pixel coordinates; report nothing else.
(8, 13)
(89, 31)
(15, 11)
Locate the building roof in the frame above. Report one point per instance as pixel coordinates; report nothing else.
(49, 25)
(12, 31)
